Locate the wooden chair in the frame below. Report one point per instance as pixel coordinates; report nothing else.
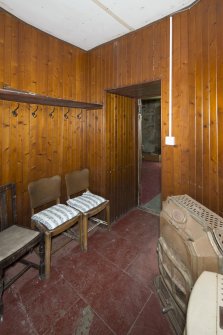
(89, 204)
(54, 219)
(15, 241)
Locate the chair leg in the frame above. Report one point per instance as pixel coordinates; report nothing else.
(42, 257)
(108, 216)
(1, 294)
(80, 222)
(84, 232)
(47, 254)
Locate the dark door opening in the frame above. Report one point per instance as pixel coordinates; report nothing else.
(150, 195)
(149, 154)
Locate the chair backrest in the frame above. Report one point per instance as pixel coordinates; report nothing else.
(8, 215)
(44, 191)
(77, 181)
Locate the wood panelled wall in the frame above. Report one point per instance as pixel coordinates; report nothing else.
(105, 140)
(195, 165)
(121, 158)
(32, 148)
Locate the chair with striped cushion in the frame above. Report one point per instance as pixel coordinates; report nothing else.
(51, 220)
(89, 204)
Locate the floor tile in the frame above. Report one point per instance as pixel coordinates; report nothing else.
(80, 319)
(145, 267)
(105, 291)
(151, 321)
(50, 305)
(150, 180)
(135, 221)
(30, 289)
(83, 271)
(119, 304)
(117, 249)
(15, 319)
(139, 227)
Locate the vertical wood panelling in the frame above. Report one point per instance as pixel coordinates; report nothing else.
(198, 106)
(147, 60)
(177, 96)
(184, 106)
(116, 64)
(205, 106)
(156, 54)
(95, 154)
(167, 152)
(31, 147)
(121, 153)
(191, 108)
(219, 97)
(213, 177)
(194, 164)
(22, 168)
(105, 140)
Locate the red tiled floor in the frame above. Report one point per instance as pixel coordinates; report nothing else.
(119, 250)
(139, 227)
(150, 180)
(120, 305)
(89, 272)
(144, 267)
(50, 305)
(151, 321)
(80, 319)
(13, 307)
(108, 290)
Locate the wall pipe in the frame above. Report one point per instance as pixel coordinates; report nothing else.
(170, 140)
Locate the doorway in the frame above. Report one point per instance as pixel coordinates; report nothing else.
(149, 169)
(150, 182)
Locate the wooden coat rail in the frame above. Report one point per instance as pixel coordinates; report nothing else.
(11, 94)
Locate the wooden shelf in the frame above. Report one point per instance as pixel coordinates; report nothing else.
(11, 94)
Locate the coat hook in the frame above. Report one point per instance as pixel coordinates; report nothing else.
(66, 114)
(51, 113)
(79, 115)
(14, 112)
(34, 114)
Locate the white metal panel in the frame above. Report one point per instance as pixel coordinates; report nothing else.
(89, 23)
(81, 23)
(203, 311)
(138, 13)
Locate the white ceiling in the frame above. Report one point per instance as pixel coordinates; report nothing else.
(89, 23)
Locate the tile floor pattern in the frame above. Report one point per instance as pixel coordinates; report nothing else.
(150, 180)
(108, 290)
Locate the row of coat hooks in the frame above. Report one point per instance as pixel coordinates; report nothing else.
(51, 114)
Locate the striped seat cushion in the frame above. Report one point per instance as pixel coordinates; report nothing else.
(86, 202)
(55, 216)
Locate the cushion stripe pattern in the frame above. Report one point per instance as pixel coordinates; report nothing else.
(55, 216)
(86, 202)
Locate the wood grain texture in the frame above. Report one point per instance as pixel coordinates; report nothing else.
(219, 97)
(194, 164)
(121, 171)
(105, 140)
(42, 146)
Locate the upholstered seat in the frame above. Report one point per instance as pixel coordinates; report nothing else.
(55, 219)
(15, 242)
(55, 216)
(87, 203)
(13, 239)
